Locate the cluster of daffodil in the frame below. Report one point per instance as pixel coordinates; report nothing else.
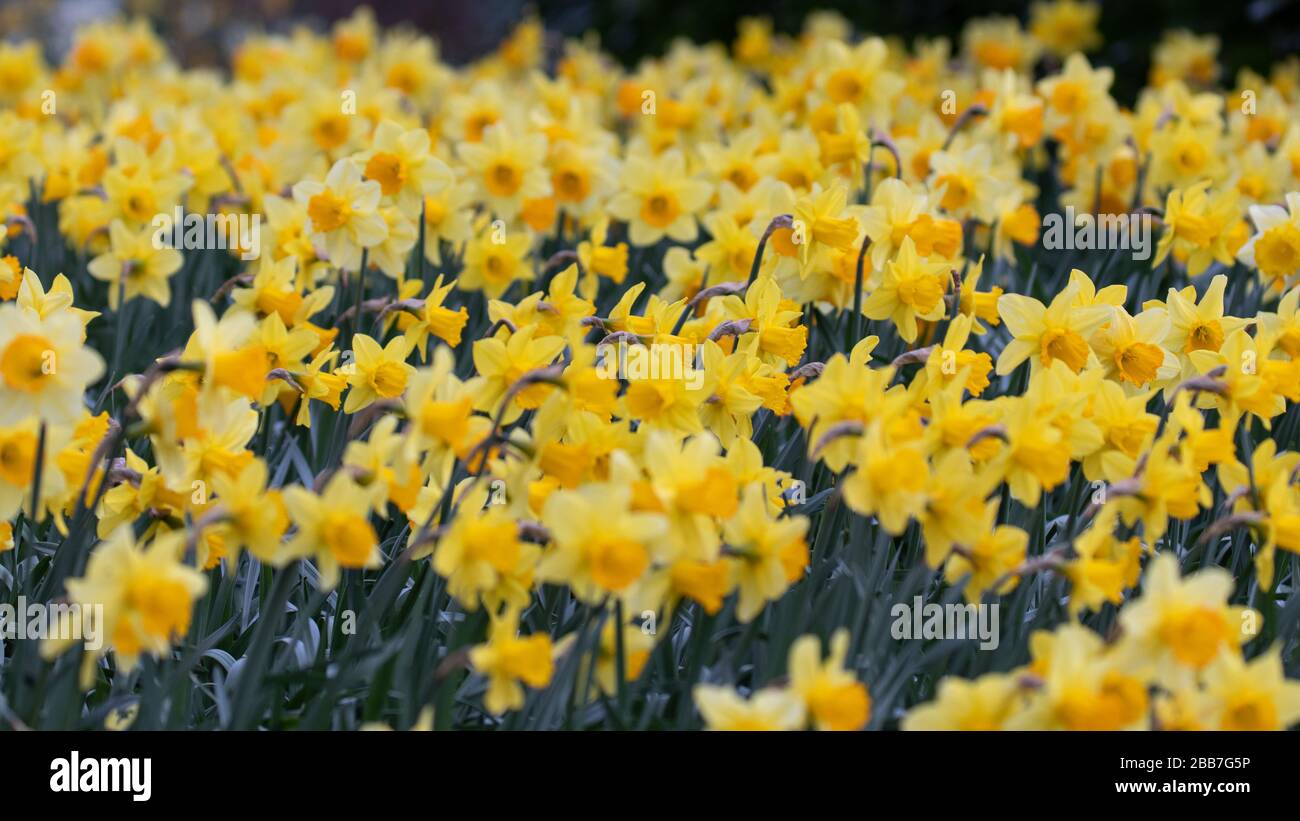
(452, 255)
(1177, 666)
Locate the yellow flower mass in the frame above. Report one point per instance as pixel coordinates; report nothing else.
(544, 392)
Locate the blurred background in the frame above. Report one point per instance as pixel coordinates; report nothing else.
(202, 32)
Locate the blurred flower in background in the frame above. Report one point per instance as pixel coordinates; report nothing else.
(201, 32)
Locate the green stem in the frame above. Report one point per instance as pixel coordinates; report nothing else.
(355, 325)
(779, 221)
(620, 654)
(37, 474)
(855, 332)
(419, 248)
(119, 333)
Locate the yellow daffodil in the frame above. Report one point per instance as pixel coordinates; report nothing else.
(771, 709)
(1275, 249)
(147, 596)
(912, 289)
(601, 544)
(135, 266)
(1180, 626)
(343, 213)
(400, 161)
(770, 554)
(510, 661)
(1252, 695)
(376, 373)
(1043, 335)
(833, 698)
(506, 168)
(45, 367)
(334, 528)
(659, 199)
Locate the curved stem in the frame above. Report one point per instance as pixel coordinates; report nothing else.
(969, 114)
(779, 221)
